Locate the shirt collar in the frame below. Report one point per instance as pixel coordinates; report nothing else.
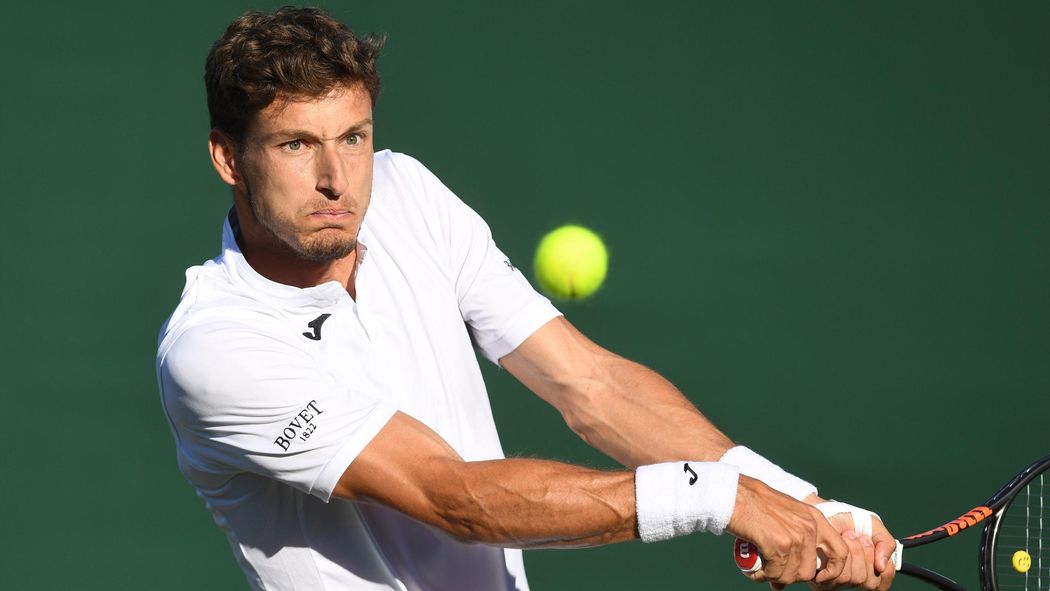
(279, 294)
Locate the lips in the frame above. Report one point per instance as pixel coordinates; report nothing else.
(337, 217)
(341, 219)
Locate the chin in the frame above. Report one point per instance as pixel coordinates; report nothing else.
(325, 250)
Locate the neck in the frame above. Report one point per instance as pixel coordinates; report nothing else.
(276, 262)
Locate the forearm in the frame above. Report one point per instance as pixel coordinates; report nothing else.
(621, 405)
(516, 502)
(621, 408)
(536, 503)
(526, 503)
(636, 403)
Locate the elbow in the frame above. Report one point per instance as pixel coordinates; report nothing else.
(584, 414)
(587, 399)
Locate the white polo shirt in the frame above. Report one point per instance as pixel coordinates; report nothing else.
(271, 390)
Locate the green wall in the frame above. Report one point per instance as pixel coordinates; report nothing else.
(829, 225)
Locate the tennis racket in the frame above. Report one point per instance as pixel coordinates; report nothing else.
(1015, 544)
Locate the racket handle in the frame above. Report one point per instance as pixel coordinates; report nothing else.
(749, 560)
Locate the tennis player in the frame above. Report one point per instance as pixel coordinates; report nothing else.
(320, 379)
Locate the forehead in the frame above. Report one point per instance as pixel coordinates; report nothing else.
(325, 115)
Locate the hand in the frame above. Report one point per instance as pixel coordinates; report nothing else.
(790, 535)
(869, 566)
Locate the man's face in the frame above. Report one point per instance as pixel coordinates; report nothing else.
(306, 167)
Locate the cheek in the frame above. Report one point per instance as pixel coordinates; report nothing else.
(283, 185)
(364, 180)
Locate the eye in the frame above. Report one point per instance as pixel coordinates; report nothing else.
(294, 145)
(353, 139)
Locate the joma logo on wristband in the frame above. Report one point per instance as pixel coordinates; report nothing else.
(692, 474)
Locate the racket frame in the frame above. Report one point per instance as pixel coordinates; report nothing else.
(990, 513)
(1000, 501)
(992, 510)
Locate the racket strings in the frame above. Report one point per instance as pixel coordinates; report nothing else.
(1023, 527)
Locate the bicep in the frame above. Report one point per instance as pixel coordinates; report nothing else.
(411, 469)
(400, 467)
(558, 362)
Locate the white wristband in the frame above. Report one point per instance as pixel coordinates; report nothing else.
(755, 466)
(679, 498)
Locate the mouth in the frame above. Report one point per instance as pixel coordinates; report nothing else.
(331, 214)
(331, 219)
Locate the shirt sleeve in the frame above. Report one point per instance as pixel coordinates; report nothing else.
(497, 302)
(242, 400)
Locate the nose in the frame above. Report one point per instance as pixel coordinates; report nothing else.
(331, 173)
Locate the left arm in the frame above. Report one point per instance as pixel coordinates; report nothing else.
(615, 405)
(637, 417)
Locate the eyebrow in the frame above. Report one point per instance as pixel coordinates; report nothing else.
(302, 133)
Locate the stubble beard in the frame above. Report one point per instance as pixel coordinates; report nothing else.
(320, 249)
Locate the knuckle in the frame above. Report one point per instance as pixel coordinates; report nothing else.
(859, 581)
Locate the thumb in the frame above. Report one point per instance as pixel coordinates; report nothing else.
(884, 548)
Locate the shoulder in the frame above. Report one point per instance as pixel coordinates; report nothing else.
(217, 337)
(390, 165)
(401, 178)
(407, 198)
(215, 363)
(219, 329)
(211, 300)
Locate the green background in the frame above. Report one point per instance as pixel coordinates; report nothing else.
(829, 225)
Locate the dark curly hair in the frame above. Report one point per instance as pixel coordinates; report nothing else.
(294, 52)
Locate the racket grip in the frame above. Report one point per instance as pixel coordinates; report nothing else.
(749, 559)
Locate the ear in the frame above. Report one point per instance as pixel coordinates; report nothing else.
(223, 153)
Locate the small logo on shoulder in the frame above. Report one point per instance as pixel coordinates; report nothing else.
(315, 324)
(692, 474)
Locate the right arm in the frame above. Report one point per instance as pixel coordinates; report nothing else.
(530, 503)
(523, 503)
(265, 410)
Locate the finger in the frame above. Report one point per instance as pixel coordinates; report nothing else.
(847, 575)
(885, 546)
(772, 567)
(887, 579)
(834, 548)
(800, 564)
(855, 573)
(887, 576)
(794, 565)
(868, 578)
(808, 561)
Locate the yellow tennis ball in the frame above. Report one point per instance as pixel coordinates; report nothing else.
(1022, 561)
(571, 262)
